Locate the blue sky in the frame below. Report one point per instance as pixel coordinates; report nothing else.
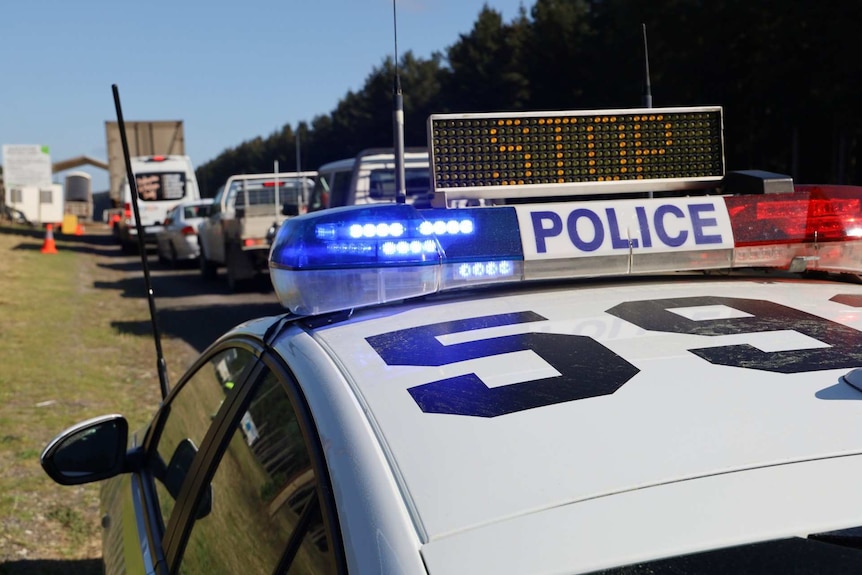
(230, 70)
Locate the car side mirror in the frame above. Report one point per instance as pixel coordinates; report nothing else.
(89, 451)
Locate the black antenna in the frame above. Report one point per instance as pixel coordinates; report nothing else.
(647, 98)
(161, 365)
(398, 122)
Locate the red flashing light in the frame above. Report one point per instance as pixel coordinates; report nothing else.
(810, 214)
(158, 159)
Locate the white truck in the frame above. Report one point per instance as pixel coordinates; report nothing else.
(79, 195)
(246, 212)
(162, 182)
(369, 178)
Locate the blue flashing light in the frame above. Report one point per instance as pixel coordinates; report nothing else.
(355, 256)
(354, 236)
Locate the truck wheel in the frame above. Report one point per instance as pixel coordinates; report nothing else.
(209, 271)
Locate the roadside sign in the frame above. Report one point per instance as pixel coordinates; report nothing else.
(26, 165)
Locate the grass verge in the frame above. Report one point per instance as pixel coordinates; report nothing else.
(64, 360)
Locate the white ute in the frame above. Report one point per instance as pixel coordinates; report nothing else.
(245, 213)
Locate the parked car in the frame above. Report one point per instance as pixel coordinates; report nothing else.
(178, 240)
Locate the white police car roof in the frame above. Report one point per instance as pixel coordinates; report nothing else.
(568, 426)
(684, 456)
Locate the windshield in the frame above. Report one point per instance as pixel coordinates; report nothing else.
(262, 192)
(159, 186)
(381, 183)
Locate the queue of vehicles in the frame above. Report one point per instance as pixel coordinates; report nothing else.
(626, 359)
(236, 232)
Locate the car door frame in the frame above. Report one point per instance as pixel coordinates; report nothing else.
(218, 437)
(158, 534)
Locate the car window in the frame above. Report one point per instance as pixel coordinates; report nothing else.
(265, 513)
(340, 185)
(319, 199)
(198, 211)
(381, 183)
(189, 415)
(216, 205)
(157, 186)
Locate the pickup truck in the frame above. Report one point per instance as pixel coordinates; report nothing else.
(245, 214)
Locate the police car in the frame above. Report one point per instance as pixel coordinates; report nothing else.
(626, 361)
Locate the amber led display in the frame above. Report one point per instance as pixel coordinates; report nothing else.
(557, 148)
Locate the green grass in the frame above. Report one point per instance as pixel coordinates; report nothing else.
(64, 360)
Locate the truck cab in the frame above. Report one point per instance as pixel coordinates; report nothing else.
(369, 178)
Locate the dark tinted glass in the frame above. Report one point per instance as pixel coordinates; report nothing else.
(191, 412)
(161, 186)
(264, 489)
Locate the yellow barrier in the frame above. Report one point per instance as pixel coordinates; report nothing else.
(70, 224)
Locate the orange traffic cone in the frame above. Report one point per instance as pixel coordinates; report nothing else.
(79, 230)
(49, 247)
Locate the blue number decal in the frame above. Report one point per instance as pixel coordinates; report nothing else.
(845, 343)
(586, 367)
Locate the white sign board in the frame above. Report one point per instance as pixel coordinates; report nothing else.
(26, 165)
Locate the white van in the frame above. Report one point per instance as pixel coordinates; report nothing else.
(370, 178)
(162, 183)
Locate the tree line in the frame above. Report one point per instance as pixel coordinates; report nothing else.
(786, 72)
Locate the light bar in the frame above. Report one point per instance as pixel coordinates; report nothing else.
(356, 256)
(816, 227)
(575, 152)
(362, 255)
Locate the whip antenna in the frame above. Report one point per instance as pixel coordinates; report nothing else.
(647, 98)
(161, 365)
(398, 121)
